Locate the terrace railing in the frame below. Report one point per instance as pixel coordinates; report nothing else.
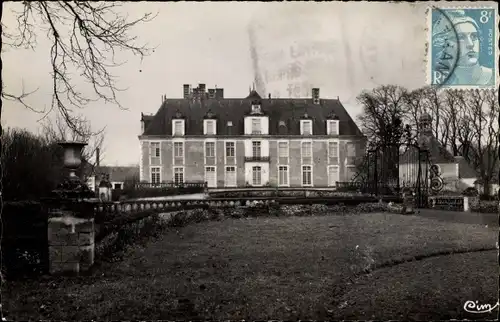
(257, 159)
(171, 184)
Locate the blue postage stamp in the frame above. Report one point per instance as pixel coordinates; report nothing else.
(463, 50)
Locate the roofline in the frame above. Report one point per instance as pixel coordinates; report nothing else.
(297, 136)
(262, 99)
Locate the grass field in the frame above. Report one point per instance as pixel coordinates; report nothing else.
(280, 268)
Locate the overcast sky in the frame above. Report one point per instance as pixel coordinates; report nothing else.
(373, 43)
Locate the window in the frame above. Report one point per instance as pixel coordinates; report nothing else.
(155, 149)
(333, 149)
(229, 123)
(283, 175)
(155, 175)
(178, 149)
(230, 177)
(256, 149)
(178, 127)
(230, 149)
(178, 175)
(306, 127)
(256, 108)
(332, 127)
(306, 149)
(117, 186)
(256, 126)
(333, 176)
(209, 127)
(306, 175)
(209, 149)
(351, 150)
(283, 149)
(256, 176)
(210, 177)
(351, 153)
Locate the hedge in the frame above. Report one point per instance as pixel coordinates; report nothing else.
(24, 239)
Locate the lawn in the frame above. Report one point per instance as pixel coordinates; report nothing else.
(277, 268)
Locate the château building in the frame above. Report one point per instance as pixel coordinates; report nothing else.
(251, 141)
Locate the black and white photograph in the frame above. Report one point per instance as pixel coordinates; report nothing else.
(223, 160)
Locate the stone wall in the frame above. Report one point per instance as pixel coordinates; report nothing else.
(71, 242)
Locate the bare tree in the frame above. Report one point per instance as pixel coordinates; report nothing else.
(384, 109)
(444, 110)
(59, 131)
(85, 36)
(478, 131)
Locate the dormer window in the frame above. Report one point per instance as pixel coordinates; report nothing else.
(178, 127)
(209, 127)
(256, 126)
(332, 124)
(209, 124)
(333, 127)
(178, 124)
(306, 127)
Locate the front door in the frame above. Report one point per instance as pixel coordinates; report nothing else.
(210, 177)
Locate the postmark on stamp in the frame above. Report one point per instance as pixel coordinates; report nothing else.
(462, 50)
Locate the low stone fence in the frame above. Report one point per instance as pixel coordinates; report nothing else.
(453, 203)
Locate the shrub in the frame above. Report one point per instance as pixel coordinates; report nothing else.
(488, 197)
(115, 244)
(470, 192)
(490, 207)
(24, 241)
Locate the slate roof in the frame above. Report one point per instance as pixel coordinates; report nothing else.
(146, 119)
(438, 154)
(118, 173)
(287, 110)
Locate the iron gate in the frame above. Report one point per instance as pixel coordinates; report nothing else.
(394, 167)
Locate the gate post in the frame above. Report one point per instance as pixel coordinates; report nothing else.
(71, 219)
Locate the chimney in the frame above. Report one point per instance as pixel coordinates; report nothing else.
(97, 157)
(211, 93)
(219, 93)
(315, 95)
(187, 90)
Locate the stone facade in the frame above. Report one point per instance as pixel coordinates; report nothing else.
(194, 160)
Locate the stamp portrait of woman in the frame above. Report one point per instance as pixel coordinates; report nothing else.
(459, 37)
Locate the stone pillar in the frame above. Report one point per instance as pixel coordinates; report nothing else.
(408, 201)
(466, 203)
(71, 235)
(71, 219)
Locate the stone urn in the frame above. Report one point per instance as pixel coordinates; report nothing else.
(72, 155)
(72, 186)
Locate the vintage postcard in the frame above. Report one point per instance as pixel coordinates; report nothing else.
(230, 160)
(463, 50)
